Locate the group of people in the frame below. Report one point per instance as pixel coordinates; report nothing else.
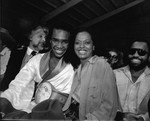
(49, 87)
(20, 55)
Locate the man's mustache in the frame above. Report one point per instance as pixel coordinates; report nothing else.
(41, 43)
(135, 58)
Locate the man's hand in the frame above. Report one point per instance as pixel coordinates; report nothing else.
(132, 117)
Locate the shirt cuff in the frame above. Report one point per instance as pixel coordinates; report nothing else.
(143, 116)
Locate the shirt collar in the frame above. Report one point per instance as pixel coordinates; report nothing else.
(146, 71)
(29, 51)
(92, 59)
(5, 49)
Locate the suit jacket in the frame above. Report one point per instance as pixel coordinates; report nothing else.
(149, 107)
(122, 77)
(13, 66)
(98, 95)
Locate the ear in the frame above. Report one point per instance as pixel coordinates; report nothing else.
(50, 41)
(93, 47)
(30, 37)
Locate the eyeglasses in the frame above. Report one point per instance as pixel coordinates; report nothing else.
(112, 56)
(140, 52)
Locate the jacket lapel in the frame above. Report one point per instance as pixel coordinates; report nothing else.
(74, 85)
(44, 63)
(145, 85)
(143, 90)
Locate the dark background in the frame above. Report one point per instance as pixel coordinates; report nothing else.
(17, 16)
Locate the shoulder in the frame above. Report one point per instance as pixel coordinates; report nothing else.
(69, 66)
(120, 70)
(100, 66)
(100, 61)
(5, 51)
(19, 50)
(38, 56)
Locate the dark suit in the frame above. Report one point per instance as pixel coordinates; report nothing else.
(13, 66)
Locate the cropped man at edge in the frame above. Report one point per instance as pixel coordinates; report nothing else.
(133, 82)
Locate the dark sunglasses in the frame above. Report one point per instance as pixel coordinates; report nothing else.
(140, 52)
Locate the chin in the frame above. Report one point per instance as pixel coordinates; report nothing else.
(58, 56)
(137, 67)
(136, 64)
(40, 48)
(81, 56)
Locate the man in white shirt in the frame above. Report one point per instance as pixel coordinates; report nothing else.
(50, 69)
(133, 82)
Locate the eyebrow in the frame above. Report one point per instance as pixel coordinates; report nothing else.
(84, 40)
(61, 39)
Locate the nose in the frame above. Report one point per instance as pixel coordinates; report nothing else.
(59, 45)
(136, 54)
(43, 39)
(81, 45)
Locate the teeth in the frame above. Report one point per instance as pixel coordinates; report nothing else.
(59, 51)
(82, 52)
(136, 60)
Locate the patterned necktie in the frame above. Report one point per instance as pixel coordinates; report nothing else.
(33, 53)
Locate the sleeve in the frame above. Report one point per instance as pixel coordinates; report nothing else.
(109, 102)
(21, 89)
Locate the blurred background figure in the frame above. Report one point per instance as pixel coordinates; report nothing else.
(115, 58)
(7, 42)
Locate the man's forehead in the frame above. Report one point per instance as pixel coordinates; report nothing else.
(38, 31)
(60, 34)
(140, 45)
(112, 53)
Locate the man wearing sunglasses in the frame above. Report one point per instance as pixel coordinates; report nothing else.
(133, 83)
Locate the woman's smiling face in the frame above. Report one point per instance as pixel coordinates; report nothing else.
(83, 45)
